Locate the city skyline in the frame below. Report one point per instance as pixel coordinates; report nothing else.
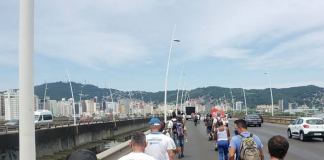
(126, 44)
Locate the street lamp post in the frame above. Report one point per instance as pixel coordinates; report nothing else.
(80, 105)
(232, 99)
(112, 103)
(130, 104)
(27, 148)
(178, 89)
(143, 105)
(182, 95)
(44, 101)
(270, 90)
(244, 99)
(72, 96)
(166, 77)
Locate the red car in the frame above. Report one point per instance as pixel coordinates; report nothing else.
(85, 118)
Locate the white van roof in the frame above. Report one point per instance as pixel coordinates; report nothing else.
(43, 112)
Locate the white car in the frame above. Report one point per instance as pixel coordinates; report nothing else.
(306, 127)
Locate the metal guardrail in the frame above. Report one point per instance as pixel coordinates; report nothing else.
(279, 119)
(63, 123)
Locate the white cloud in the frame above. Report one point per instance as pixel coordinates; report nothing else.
(230, 53)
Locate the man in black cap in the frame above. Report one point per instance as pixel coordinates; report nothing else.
(82, 154)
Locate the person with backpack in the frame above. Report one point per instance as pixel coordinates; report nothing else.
(165, 132)
(222, 138)
(179, 132)
(209, 125)
(217, 120)
(245, 145)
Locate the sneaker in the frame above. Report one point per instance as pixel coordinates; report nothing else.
(179, 157)
(182, 155)
(216, 148)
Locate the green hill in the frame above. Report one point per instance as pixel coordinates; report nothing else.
(310, 95)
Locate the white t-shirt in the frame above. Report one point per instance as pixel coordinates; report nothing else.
(174, 147)
(157, 145)
(137, 156)
(170, 124)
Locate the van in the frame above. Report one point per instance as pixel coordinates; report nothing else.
(43, 116)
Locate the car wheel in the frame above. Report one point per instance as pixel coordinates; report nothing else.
(301, 136)
(323, 139)
(259, 125)
(289, 133)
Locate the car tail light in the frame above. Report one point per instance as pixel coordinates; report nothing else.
(306, 126)
(260, 119)
(249, 119)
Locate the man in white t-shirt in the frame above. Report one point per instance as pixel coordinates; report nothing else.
(158, 144)
(138, 144)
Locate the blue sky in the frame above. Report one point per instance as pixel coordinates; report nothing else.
(126, 43)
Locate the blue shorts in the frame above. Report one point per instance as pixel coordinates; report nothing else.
(179, 141)
(209, 129)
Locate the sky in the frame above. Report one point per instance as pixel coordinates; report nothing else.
(126, 43)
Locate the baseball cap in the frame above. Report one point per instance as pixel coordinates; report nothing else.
(155, 122)
(82, 154)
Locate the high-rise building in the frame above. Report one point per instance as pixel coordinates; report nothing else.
(90, 107)
(239, 105)
(281, 105)
(53, 106)
(11, 98)
(2, 106)
(36, 103)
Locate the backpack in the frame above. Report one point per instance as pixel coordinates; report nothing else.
(179, 127)
(218, 122)
(249, 148)
(209, 122)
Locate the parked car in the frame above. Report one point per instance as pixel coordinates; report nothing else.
(85, 118)
(42, 116)
(252, 119)
(76, 118)
(97, 118)
(13, 122)
(261, 116)
(306, 127)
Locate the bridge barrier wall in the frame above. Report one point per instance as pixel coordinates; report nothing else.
(117, 151)
(57, 139)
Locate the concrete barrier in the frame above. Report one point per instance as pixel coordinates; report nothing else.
(117, 151)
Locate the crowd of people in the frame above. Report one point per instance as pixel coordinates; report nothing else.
(243, 145)
(167, 139)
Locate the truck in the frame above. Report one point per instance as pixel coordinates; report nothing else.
(189, 111)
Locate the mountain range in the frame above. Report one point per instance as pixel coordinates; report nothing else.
(311, 95)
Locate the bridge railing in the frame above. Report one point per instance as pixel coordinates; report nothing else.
(61, 123)
(279, 119)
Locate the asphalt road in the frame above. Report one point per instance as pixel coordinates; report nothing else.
(199, 148)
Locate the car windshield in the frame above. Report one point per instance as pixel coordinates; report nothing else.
(36, 117)
(254, 116)
(314, 121)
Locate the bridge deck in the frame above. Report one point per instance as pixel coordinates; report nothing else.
(198, 147)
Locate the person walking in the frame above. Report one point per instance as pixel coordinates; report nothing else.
(222, 137)
(158, 143)
(216, 121)
(138, 144)
(245, 145)
(209, 125)
(278, 147)
(179, 132)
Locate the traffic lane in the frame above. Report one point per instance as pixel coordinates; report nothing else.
(311, 149)
(198, 147)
